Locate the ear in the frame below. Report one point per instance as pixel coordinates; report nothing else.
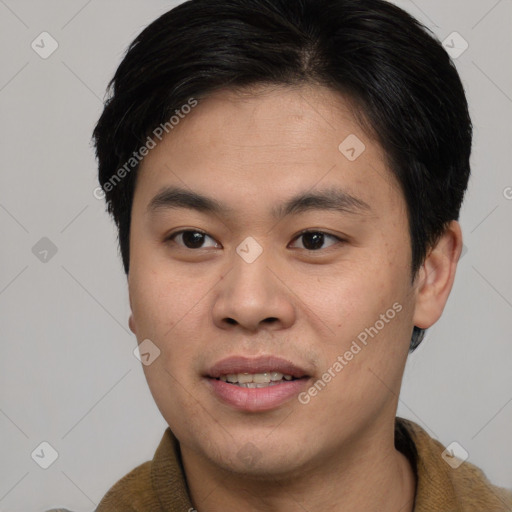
(435, 278)
(131, 324)
(131, 321)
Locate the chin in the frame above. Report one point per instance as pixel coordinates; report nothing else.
(254, 456)
(263, 467)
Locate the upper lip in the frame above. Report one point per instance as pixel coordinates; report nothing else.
(262, 364)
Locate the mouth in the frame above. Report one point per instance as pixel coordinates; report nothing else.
(256, 384)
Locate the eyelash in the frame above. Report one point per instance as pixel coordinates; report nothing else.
(171, 238)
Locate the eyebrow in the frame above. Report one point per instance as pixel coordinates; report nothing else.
(333, 199)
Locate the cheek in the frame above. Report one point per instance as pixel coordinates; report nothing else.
(368, 309)
(169, 310)
(161, 301)
(354, 293)
(364, 359)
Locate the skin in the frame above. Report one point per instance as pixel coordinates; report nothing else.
(252, 150)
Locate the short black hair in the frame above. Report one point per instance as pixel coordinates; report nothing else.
(392, 68)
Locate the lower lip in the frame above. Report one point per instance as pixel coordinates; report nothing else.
(257, 399)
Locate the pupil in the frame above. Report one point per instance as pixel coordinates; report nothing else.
(316, 238)
(192, 238)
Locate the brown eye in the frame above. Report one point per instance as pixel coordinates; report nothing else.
(191, 239)
(314, 240)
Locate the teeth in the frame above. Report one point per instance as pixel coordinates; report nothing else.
(244, 378)
(259, 379)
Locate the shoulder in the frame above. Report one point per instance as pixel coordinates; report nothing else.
(477, 493)
(132, 493)
(155, 485)
(461, 487)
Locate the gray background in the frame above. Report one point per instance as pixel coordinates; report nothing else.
(68, 375)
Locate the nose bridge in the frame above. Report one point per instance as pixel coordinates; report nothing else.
(250, 274)
(250, 293)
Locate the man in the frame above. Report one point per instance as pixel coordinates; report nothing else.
(286, 178)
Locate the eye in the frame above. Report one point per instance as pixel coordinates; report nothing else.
(191, 239)
(313, 240)
(194, 239)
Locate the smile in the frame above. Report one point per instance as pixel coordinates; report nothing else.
(255, 380)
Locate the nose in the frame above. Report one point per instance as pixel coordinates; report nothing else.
(253, 296)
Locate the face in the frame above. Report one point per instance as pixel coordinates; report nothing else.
(271, 284)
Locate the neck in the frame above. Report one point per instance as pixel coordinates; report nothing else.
(370, 476)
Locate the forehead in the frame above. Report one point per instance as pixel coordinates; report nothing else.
(275, 118)
(268, 139)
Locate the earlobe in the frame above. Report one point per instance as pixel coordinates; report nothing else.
(436, 276)
(131, 321)
(131, 324)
